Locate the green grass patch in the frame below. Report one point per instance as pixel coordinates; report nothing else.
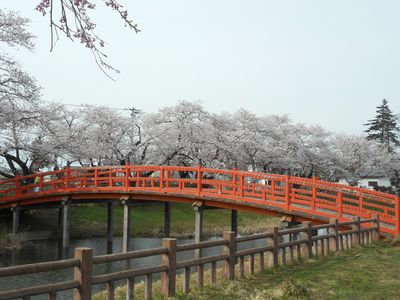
(372, 272)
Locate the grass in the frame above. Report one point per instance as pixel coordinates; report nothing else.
(371, 272)
(147, 221)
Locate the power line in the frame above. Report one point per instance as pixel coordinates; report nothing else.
(86, 105)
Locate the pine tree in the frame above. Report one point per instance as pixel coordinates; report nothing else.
(383, 128)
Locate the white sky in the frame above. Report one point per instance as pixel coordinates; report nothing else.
(322, 62)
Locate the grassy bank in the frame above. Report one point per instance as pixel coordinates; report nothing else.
(372, 272)
(147, 220)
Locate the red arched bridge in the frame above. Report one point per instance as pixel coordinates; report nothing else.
(302, 198)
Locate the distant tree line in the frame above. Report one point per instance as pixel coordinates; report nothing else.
(35, 134)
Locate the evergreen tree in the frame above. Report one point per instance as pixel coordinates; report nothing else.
(383, 128)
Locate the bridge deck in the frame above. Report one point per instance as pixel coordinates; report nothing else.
(308, 199)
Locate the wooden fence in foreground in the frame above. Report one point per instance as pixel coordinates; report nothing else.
(302, 244)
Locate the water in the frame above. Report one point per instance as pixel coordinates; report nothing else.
(50, 250)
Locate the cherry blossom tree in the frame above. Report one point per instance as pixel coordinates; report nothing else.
(19, 99)
(73, 18)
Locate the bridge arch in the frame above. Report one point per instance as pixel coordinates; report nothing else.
(274, 194)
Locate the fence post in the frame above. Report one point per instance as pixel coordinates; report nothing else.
(308, 236)
(83, 273)
(356, 240)
(335, 231)
(287, 192)
(275, 245)
(168, 278)
(229, 263)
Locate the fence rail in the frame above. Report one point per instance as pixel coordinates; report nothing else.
(302, 244)
(312, 197)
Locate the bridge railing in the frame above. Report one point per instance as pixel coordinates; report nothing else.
(282, 246)
(287, 193)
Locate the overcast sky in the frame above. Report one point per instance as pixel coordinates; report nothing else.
(321, 62)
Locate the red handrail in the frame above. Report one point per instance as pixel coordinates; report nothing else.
(290, 194)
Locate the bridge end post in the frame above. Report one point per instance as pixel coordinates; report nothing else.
(83, 273)
(229, 250)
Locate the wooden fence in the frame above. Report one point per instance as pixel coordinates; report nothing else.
(302, 243)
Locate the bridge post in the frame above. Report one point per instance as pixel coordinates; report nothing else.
(234, 221)
(110, 227)
(16, 216)
(198, 230)
(65, 228)
(167, 219)
(126, 226)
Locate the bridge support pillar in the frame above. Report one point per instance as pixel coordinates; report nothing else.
(65, 222)
(126, 226)
(198, 228)
(234, 221)
(15, 221)
(110, 227)
(167, 219)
